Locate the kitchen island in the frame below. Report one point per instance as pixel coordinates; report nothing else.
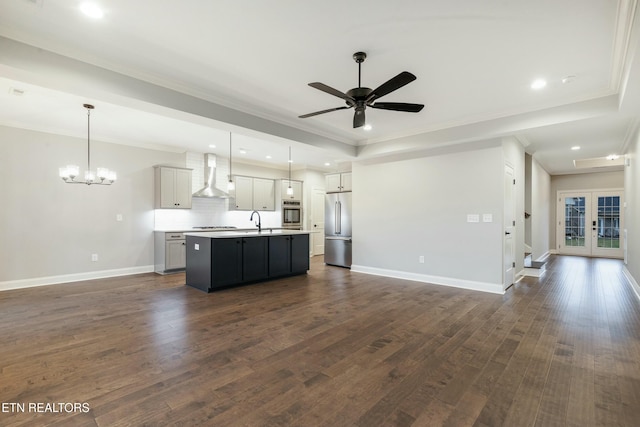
(218, 260)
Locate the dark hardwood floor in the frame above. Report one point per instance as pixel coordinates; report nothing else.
(332, 348)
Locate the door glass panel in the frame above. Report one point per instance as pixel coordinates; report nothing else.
(574, 226)
(608, 225)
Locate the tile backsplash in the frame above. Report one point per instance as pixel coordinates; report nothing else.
(205, 212)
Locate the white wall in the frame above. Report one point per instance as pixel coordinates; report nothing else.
(540, 219)
(583, 181)
(632, 213)
(50, 229)
(409, 208)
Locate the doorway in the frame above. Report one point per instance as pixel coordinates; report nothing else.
(509, 248)
(317, 221)
(590, 223)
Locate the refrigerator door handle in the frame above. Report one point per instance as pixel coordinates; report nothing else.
(337, 218)
(346, 239)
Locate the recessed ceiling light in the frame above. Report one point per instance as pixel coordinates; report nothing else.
(243, 151)
(367, 127)
(575, 147)
(92, 10)
(612, 157)
(538, 84)
(327, 164)
(268, 156)
(212, 146)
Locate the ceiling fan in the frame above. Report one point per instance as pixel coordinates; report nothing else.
(362, 97)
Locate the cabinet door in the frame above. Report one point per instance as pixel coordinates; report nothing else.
(173, 188)
(255, 258)
(175, 254)
(345, 179)
(183, 188)
(244, 193)
(226, 262)
(299, 253)
(279, 256)
(167, 185)
(332, 183)
(296, 186)
(264, 194)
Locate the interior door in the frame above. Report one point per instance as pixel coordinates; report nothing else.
(509, 255)
(590, 223)
(574, 215)
(606, 224)
(317, 221)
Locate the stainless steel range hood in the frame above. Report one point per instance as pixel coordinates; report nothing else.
(210, 189)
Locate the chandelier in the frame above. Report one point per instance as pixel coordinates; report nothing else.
(102, 176)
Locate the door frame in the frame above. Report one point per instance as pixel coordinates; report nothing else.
(317, 224)
(590, 248)
(509, 225)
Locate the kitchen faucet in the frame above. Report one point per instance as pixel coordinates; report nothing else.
(259, 224)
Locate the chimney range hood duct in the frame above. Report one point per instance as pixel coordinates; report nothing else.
(210, 189)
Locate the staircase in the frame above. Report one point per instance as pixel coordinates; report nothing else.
(533, 268)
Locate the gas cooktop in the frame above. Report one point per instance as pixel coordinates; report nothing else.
(216, 227)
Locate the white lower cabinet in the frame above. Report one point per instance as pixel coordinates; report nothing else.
(170, 252)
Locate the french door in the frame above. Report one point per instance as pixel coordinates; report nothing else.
(590, 223)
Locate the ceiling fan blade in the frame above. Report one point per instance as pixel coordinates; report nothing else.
(331, 91)
(390, 85)
(358, 118)
(304, 116)
(398, 106)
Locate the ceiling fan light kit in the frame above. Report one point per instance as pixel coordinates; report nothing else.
(360, 98)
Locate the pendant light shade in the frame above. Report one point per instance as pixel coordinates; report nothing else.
(102, 176)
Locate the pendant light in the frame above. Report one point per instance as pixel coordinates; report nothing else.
(230, 185)
(102, 176)
(289, 189)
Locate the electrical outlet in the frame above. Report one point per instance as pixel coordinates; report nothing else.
(94, 257)
(421, 259)
(119, 217)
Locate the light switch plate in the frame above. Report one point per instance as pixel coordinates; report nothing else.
(487, 217)
(473, 218)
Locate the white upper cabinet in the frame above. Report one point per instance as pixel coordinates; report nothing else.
(264, 194)
(172, 188)
(254, 194)
(296, 186)
(338, 182)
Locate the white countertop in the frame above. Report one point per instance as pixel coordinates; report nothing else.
(266, 232)
(200, 230)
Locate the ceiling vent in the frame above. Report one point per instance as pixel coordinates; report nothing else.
(598, 162)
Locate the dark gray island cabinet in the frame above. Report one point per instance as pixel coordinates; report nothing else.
(222, 259)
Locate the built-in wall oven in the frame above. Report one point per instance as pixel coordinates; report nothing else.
(292, 214)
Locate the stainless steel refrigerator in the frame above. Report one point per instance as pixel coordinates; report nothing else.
(337, 229)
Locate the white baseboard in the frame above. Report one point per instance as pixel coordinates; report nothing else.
(553, 252)
(75, 277)
(494, 288)
(632, 281)
(544, 256)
